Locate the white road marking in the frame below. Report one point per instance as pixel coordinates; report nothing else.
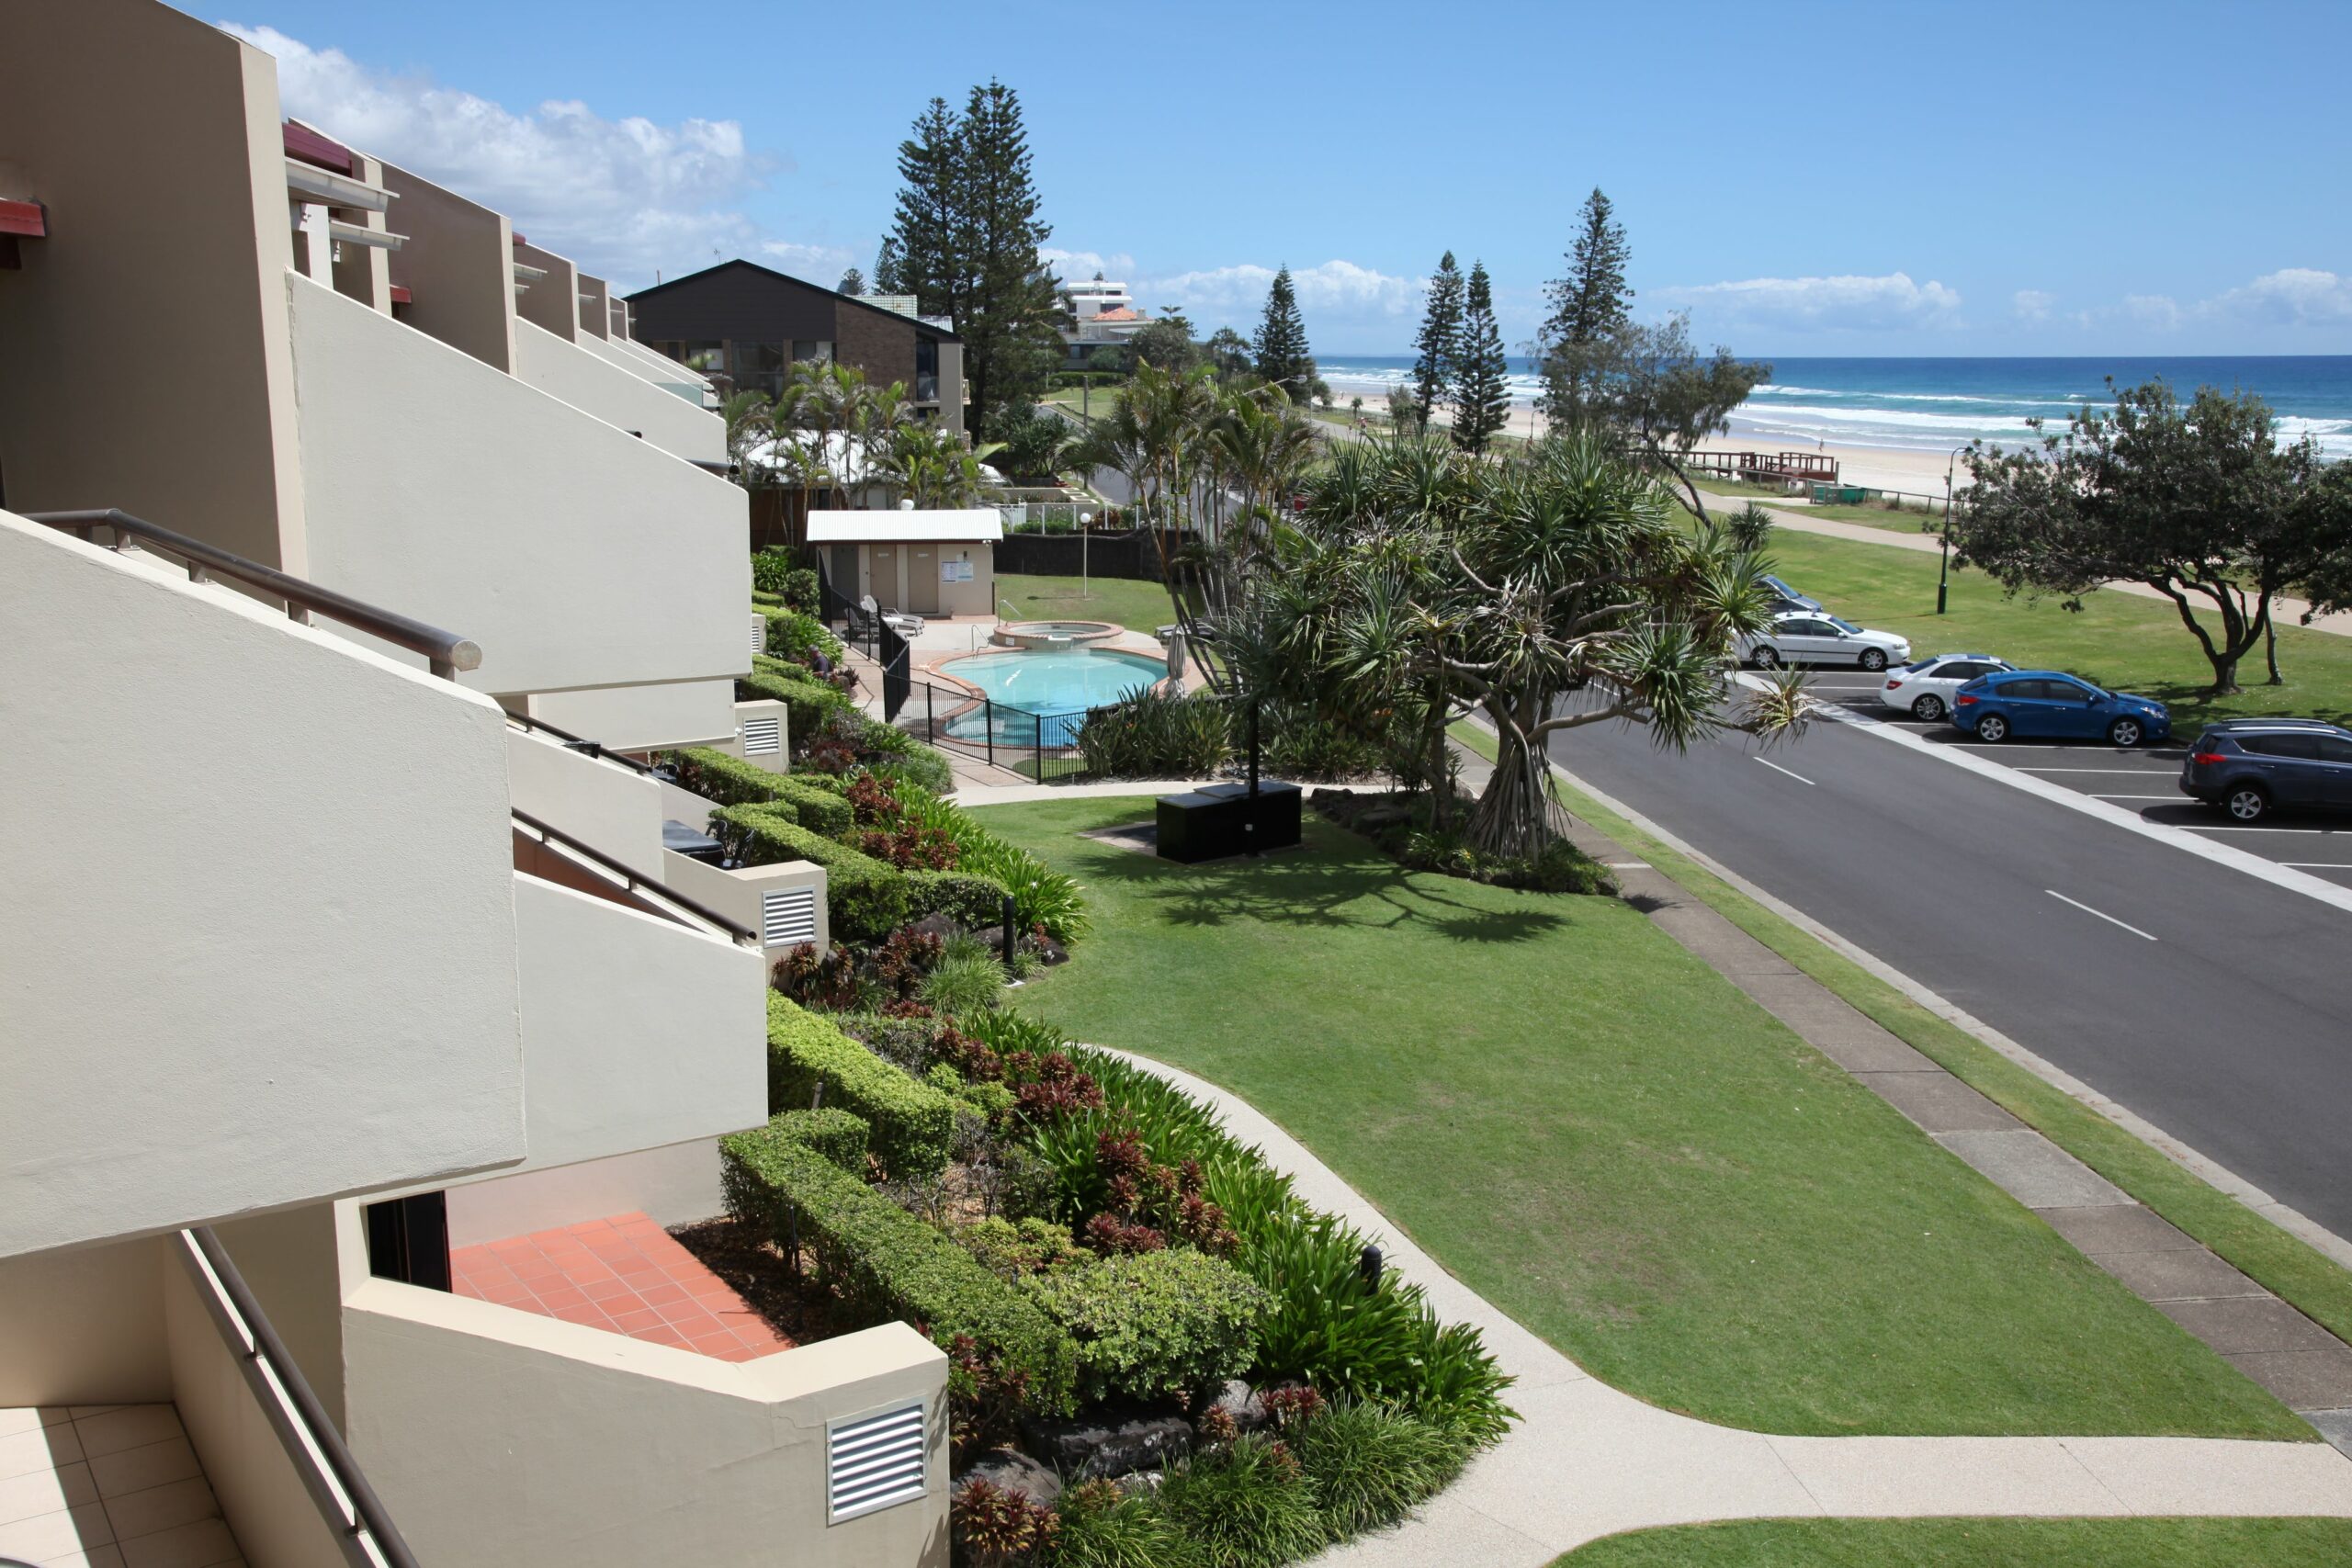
(2318, 864)
(2181, 836)
(2086, 909)
(1778, 769)
(2153, 773)
(2103, 794)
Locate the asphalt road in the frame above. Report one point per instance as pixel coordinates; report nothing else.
(2144, 782)
(2210, 1002)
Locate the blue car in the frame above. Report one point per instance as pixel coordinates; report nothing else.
(2049, 705)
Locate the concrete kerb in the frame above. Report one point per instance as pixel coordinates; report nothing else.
(1586, 1459)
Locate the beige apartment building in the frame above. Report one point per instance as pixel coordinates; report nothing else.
(365, 1031)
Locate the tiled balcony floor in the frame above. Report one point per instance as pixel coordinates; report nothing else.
(624, 1274)
(106, 1487)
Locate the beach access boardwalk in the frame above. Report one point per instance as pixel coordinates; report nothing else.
(1585, 1459)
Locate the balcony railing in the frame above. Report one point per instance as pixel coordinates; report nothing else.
(571, 742)
(349, 1505)
(446, 652)
(676, 905)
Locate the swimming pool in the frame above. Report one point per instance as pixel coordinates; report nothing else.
(1060, 684)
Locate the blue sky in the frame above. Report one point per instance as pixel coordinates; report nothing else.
(1806, 179)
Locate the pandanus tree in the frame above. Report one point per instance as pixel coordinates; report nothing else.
(1547, 592)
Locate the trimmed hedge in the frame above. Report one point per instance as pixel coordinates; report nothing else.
(730, 781)
(792, 634)
(1156, 1325)
(884, 1262)
(911, 1124)
(866, 899)
(808, 703)
(840, 1135)
(972, 901)
(920, 763)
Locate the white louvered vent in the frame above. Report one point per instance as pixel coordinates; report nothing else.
(759, 634)
(788, 916)
(762, 737)
(874, 1462)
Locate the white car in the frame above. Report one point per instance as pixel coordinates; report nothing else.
(1923, 689)
(1807, 637)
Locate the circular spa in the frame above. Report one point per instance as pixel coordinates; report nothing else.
(1053, 634)
(1039, 696)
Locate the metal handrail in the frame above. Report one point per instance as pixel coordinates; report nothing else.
(725, 470)
(361, 1522)
(447, 651)
(596, 748)
(638, 881)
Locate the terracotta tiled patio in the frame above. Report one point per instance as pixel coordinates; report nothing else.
(624, 1274)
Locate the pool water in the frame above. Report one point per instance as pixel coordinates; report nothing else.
(1062, 682)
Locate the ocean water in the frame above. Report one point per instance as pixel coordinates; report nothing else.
(1937, 404)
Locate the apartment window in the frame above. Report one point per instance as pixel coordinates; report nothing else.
(708, 355)
(759, 366)
(809, 350)
(926, 370)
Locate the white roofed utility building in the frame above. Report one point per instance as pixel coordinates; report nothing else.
(925, 563)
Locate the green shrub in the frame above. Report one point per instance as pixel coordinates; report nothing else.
(963, 983)
(975, 902)
(910, 757)
(1154, 1325)
(1010, 1250)
(809, 702)
(840, 1135)
(1156, 733)
(727, 780)
(882, 1261)
(779, 573)
(866, 899)
(793, 633)
(1246, 1505)
(1300, 744)
(912, 1123)
(1041, 896)
(1371, 1465)
(1104, 1525)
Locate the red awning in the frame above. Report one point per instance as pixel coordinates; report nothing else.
(308, 145)
(26, 218)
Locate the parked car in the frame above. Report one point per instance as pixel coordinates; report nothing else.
(1924, 687)
(2051, 705)
(2249, 767)
(1787, 598)
(1801, 637)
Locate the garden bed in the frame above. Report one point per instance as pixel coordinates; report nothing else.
(1402, 825)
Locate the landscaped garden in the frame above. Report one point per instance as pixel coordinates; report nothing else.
(1609, 1142)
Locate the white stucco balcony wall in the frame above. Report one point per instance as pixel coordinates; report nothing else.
(576, 555)
(648, 717)
(597, 800)
(259, 942)
(638, 1031)
(593, 382)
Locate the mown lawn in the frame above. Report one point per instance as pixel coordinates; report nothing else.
(1139, 606)
(1614, 1144)
(1977, 1543)
(2119, 641)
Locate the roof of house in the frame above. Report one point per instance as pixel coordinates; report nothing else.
(978, 524)
(1123, 313)
(928, 328)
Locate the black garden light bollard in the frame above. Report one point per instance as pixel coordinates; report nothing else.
(1368, 1265)
(1009, 938)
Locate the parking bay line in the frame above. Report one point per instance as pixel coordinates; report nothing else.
(2086, 909)
(2104, 795)
(1778, 769)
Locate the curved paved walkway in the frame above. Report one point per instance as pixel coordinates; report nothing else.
(1586, 1461)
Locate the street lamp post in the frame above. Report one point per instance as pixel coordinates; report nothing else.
(1943, 572)
(1085, 527)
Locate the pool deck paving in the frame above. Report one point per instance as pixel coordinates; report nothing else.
(1588, 1460)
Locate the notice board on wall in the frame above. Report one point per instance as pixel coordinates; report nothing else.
(954, 571)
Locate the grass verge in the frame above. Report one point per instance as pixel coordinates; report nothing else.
(2289, 1267)
(1975, 1543)
(2121, 641)
(1609, 1142)
(1137, 606)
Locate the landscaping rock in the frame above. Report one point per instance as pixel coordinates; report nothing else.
(1239, 1400)
(1015, 1472)
(938, 925)
(1108, 1444)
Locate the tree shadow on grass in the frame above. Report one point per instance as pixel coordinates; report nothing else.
(1332, 883)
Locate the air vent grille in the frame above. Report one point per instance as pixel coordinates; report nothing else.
(874, 1462)
(788, 916)
(762, 737)
(759, 634)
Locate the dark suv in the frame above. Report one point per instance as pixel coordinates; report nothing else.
(2251, 766)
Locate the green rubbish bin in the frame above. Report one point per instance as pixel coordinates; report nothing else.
(1838, 495)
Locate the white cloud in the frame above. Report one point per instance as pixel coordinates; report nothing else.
(2159, 312)
(1338, 286)
(1116, 268)
(2033, 304)
(621, 197)
(2295, 296)
(817, 263)
(1844, 302)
